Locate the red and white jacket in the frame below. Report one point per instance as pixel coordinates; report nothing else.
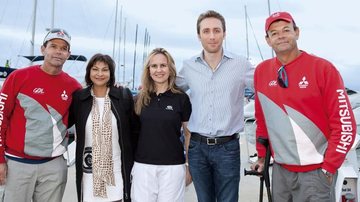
(310, 124)
(34, 113)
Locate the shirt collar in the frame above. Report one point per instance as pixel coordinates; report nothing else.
(167, 93)
(226, 55)
(114, 92)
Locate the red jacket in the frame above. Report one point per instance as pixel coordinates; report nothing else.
(34, 113)
(310, 124)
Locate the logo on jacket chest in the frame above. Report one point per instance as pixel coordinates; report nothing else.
(64, 96)
(38, 91)
(273, 83)
(303, 83)
(41, 91)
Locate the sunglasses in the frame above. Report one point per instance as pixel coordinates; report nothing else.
(282, 78)
(56, 30)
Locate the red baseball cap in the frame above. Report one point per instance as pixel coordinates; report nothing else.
(278, 16)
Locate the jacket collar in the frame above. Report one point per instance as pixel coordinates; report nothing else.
(113, 93)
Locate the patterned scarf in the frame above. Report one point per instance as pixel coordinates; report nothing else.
(102, 159)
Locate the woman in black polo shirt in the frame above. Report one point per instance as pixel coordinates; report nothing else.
(159, 171)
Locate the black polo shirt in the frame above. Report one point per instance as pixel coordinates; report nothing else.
(161, 122)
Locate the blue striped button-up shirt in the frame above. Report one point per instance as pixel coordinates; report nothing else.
(217, 97)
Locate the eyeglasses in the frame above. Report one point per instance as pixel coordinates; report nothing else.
(282, 78)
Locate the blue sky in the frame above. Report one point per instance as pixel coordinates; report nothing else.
(328, 28)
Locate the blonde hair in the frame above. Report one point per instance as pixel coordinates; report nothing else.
(147, 83)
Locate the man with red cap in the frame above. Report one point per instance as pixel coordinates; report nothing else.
(302, 108)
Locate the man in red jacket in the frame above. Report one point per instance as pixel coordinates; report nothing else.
(302, 108)
(34, 108)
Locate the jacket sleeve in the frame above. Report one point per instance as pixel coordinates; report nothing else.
(261, 130)
(72, 109)
(342, 125)
(8, 95)
(134, 120)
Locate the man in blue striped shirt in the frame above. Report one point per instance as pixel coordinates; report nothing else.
(216, 80)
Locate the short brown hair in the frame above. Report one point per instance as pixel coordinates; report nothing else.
(210, 14)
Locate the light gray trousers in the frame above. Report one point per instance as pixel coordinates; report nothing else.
(311, 186)
(36, 182)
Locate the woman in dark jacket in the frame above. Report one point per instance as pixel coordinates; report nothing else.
(106, 133)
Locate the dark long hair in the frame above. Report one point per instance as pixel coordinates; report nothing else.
(100, 58)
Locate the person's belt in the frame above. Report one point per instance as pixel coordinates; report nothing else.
(213, 141)
(31, 161)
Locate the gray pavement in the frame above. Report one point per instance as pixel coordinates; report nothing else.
(249, 185)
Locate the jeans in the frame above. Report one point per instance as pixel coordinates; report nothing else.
(215, 170)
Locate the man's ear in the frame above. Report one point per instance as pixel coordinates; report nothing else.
(69, 53)
(297, 31)
(267, 40)
(42, 49)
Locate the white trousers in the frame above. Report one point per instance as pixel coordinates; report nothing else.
(158, 183)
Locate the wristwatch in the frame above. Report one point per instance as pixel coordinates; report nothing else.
(327, 173)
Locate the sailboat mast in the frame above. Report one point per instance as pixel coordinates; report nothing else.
(124, 50)
(119, 47)
(145, 43)
(247, 34)
(52, 14)
(33, 29)
(136, 33)
(269, 10)
(116, 11)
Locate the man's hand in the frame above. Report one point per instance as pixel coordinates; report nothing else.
(3, 172)
(330, 179)
(188, 179)
(329, 176)
(258, 165)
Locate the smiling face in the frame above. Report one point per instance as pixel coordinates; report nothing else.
(211, 35)
(159, 69)
(100, 74)
(282, 37)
